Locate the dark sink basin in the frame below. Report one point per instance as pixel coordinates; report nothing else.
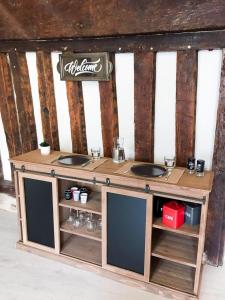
(73, 160)
(148, 170)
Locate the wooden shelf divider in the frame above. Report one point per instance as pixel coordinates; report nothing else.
(185, 229)
(81, 231)
(93, 205)
(175, 248)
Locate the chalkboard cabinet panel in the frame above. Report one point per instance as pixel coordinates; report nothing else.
(127, 232)
(39, 211)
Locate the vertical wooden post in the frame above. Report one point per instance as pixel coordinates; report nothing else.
(109, 113)
(8, 108)
(186, 105)
(144, 105)
(24, 102)
(77, 117)
(215, 226)
(47, 99)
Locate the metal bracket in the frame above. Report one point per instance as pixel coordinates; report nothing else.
(23, 169)
(147, 189)
(94, 180)
(107, 181)
(53, 173)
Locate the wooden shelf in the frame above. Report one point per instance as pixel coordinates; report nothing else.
(185, 229)
(172, 275)
(174, 247)
(84, 249)
(93, 205)
(81, 231)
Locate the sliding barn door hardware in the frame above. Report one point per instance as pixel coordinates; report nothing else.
(107, 181)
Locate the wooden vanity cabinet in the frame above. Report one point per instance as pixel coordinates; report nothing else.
(133, 244)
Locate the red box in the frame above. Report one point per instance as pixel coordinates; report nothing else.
(173, 214)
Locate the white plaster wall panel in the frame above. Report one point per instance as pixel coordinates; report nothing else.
(209, 70)
(92, 113)
(125, 100)
(165, 105)
(62, 108)
(32, 69)
(4, 153)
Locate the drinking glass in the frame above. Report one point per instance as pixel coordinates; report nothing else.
(91, 224)
(70, 219)
(95, 153)
(99, 224)
(170, 162)
(77, 222)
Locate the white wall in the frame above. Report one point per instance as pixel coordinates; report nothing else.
(207, 101)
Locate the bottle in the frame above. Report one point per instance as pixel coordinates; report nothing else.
(200, 167)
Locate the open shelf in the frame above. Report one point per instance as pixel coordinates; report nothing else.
(185, 229)
(81, 231)
(83, 249)
(172, 275)
(174, 247)
(93, 205)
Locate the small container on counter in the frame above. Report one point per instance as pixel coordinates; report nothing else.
(76, 195)
(68, 194)
(83, 198)
(192, 213)
(74, 188)
(200, 167)
(191, 165)
(173, 214)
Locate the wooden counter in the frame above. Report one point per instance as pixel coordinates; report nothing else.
(133, 245)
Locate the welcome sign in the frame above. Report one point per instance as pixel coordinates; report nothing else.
(84, 66)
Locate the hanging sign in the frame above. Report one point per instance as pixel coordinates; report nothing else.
(84, 66)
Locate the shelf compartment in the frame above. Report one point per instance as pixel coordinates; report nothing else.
(81, 231)
(188, 230)
(172, 275)
(174, 247)
(84, 249)
(93, 205)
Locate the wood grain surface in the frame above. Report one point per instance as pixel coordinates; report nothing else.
(51, 19)
(47, 99)
(144, 105)
(109, 112)
(21, 82)
(77, 117)
(8, 108)
(186, 105)
(215, 224)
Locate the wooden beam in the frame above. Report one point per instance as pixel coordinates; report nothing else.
(24, 102)
(77, 118)
(109, 113)
(186, 105)
(215, 224)
(8, 109)
(131, 43)
(47, 99)
(144, 105)
(59, 19)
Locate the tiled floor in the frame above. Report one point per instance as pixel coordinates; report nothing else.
(24, 276)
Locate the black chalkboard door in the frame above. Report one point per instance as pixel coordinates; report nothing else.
(127, 229)
(39, 211)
